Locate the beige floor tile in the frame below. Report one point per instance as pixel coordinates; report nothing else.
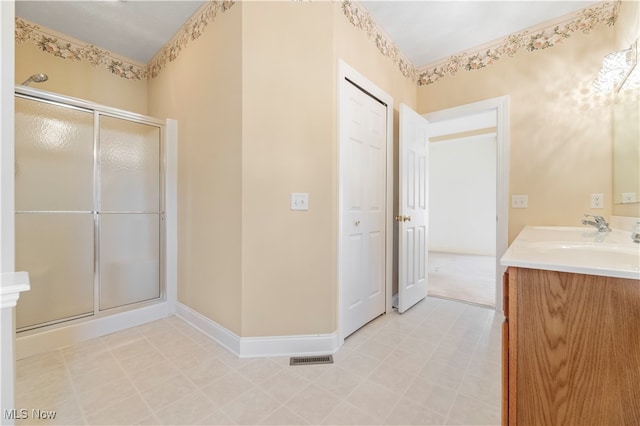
(152, 376)
(142, 361)
(165, 393)
(100, 395)
(283, 416)
(190, 409)
(125, 412)
(390, 377)
(66, 413)
(438, 361)
(251, 407)
(88, 380)
(338, 382)
(227, 388)
(136, 348)
(375, 350)
(407, 412)
(216, 417)
(49, 394)
(448, 376)
(80, 364)
(487, 391)
(469, 412)
(360, 364)
(313, 403)
(260, 370)
(373, 399)
(284, 385)
(348, 414)
(437, 398)
(38, 364)
(406, 361)
(40, 378)
(203, 371)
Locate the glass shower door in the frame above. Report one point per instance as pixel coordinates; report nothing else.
(129, 212)
(54, 211)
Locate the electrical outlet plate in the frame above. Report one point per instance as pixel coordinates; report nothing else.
(629, 197)
(299, 201)
(519, 201)
(597, 201)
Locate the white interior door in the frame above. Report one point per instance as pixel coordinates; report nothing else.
(412, 217)
(363, 163)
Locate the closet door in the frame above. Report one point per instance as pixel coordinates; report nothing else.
(54, 211)
(129, 212)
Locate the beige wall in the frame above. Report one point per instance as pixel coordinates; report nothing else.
(290, 145)
(202, 90)
(560, 138)
(80, 79)
(288, 137)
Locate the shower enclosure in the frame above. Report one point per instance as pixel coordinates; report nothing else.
(89, 209)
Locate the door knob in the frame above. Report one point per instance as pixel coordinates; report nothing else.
(357, 222)
(406, 218)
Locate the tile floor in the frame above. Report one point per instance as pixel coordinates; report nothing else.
(439, 363)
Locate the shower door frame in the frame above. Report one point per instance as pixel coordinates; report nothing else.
(134, 313)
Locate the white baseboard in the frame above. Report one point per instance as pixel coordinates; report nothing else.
(212, 329)
(260, 347)
(33, 344)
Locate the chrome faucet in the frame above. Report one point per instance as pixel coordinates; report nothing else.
(597, 222)
(635, 235)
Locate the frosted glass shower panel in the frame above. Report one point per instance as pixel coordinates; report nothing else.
(129, 166)
(54, 157)
(129, 259)
(57, 250)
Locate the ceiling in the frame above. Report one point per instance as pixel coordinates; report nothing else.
(424, 30)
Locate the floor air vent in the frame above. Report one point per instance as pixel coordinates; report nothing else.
(310, 360)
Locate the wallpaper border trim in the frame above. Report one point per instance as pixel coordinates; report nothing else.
(66, 47)
(540, 37)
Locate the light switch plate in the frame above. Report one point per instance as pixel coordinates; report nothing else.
(519, 201)
(299, 201)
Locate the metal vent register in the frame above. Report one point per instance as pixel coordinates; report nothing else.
(309, 360)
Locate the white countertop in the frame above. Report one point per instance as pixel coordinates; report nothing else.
(579, 250)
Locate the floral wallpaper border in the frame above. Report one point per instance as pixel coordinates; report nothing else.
(67, 48)
(544, 37)
(190, 31)
(360, 19)
(548, 35)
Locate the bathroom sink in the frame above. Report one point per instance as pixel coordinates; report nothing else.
(578, 250)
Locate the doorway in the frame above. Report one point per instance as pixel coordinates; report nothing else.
(468, 201)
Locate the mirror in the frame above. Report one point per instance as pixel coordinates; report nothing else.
(626, 136)
(626, 147)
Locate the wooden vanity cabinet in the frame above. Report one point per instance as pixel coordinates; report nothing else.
(571, 349)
